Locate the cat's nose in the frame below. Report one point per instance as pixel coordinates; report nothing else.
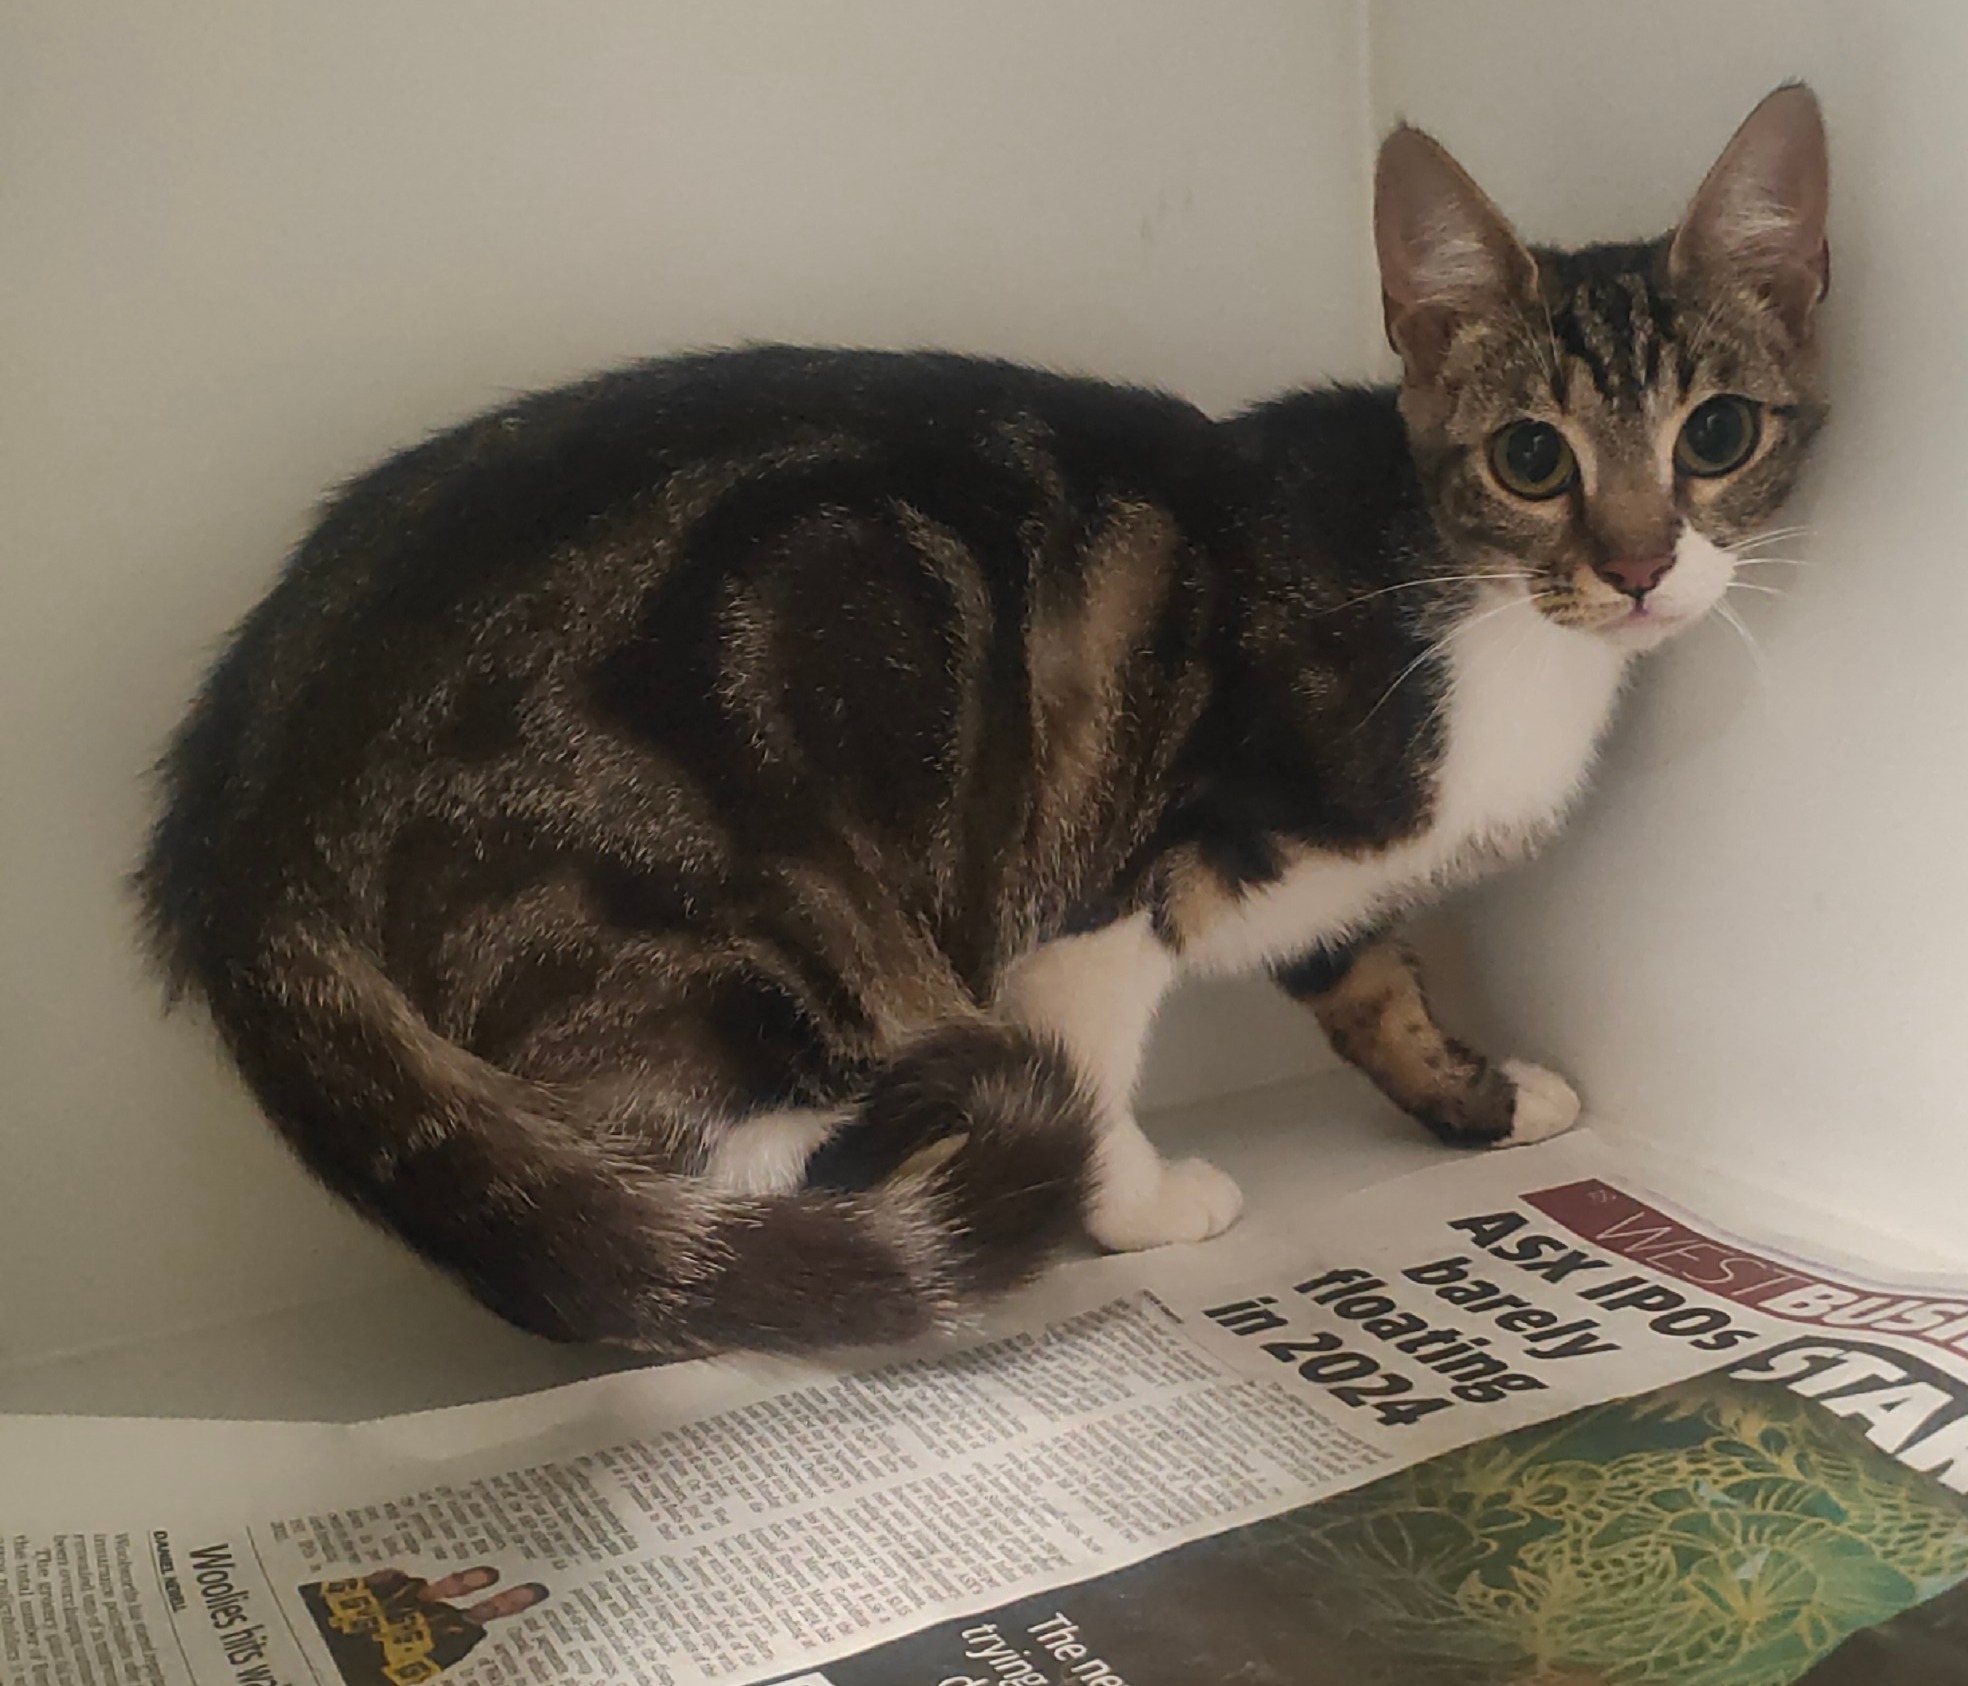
(1635, 575)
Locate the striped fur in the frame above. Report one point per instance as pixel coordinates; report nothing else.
(696, 852)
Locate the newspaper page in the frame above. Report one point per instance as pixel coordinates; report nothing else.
(1511, 1419)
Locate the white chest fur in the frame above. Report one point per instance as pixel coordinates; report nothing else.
(1526, 703)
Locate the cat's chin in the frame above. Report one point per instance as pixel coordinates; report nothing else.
(1645, 628)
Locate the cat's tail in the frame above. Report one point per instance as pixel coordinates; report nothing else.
(560, 1226)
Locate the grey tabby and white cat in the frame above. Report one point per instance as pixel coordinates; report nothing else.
(697, 853)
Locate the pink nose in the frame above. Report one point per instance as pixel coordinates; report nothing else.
(1635, 575)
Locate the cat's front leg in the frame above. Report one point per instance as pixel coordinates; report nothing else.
(1096, 995)
(1369, 1001)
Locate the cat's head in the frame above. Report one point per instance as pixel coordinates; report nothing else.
(1601, 427)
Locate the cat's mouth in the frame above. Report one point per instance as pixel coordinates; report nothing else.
(1620, 619)
(1643, 625)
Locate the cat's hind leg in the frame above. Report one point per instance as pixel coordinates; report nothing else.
(1371, 1005)
(1096, 996)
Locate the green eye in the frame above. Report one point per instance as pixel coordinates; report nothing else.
(1531, 459)
(1718, 436)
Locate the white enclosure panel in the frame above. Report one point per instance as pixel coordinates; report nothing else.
(249, 246)
(1754, 947)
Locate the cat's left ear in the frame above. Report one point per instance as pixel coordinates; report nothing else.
(1759, 216)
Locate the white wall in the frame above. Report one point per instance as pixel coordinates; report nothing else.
(1754, 948)
(249, 246)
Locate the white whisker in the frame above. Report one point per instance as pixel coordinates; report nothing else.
(1751, 585)
(1700, 342)
(1416, 585)
(1436, 648)
(1551, 334)
(1773, 535)
(1545, 357)
(1749, 643)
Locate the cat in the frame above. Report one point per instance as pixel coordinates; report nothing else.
(696, 853)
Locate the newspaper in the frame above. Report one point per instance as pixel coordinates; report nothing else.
(1512, 1418)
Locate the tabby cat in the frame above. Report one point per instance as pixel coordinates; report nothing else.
(696, 853)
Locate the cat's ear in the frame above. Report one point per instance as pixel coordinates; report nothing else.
(1759, 217)
(1446, 253)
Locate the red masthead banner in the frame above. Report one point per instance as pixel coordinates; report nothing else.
(1614, 1220)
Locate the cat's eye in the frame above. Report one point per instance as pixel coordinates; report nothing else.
(1531, 459)
(1719, 436)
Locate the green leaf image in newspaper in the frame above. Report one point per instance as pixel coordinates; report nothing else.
(1712, 1534)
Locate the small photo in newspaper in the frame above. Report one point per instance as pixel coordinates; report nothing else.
(393, 1627)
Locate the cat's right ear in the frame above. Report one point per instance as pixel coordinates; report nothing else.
(1446, 253)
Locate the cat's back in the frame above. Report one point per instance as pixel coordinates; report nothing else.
(524, 566)
(544, 524)
(646, 453)
(578, 449)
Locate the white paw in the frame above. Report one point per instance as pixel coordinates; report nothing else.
(1546, 1106)
(1190, 1201)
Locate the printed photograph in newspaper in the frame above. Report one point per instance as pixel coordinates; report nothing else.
(391, 1627)
(1715, 1533)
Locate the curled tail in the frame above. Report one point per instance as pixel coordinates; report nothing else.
(558, 1230)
